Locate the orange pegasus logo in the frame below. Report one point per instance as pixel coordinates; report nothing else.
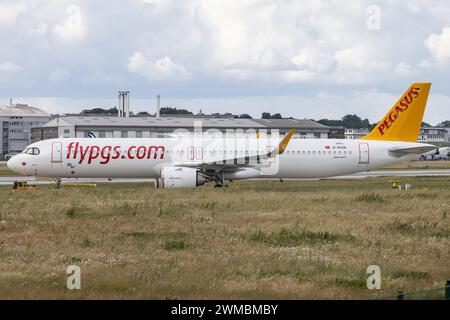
(397, 111)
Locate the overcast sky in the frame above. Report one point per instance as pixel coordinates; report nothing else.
(307, 59)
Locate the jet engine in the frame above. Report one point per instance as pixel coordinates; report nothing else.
(180, 177)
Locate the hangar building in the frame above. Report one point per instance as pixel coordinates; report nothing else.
(146, 127)
(16, 121)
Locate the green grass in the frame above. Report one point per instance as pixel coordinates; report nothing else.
(71, 211)
(369, 197)
(358, 282)
(420, 226)
(253, 240)
(398, 274)
(286, 237)
(4, 170)
(175, 245)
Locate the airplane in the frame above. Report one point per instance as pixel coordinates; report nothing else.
(187, 162)
(439, 153)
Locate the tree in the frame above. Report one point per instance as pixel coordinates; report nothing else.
(143, 114)
(331, 123)
(111, 111)
(267, 115)
(444, 124)
(277, 116)
(243, 116)
(425, 124)
(352, 121)
(349, 121)
(168, 110)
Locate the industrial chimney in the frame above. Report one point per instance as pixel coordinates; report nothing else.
(158, 106)
(124, 104)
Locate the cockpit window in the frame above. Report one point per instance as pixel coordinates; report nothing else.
(33, 151)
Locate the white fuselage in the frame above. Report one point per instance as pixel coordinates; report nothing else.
(144, 158)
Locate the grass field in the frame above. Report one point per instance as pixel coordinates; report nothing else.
(419, 165)
(4, 170)
(253, 240)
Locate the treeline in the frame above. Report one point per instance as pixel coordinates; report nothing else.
(349, 121)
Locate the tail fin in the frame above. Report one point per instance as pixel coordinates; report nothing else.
(403, 121)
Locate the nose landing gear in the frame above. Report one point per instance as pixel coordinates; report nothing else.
(58, 183)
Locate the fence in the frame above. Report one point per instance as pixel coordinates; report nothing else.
(434, 294)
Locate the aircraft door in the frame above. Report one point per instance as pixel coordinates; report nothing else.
(364, 155)
(56, 152)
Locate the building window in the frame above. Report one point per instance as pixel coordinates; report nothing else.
(124, 134)
(138, 134)
(66, 131)
(102, 134)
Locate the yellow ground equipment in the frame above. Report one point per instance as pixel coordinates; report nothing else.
(396, 184)
(76, 184)
(23, 185)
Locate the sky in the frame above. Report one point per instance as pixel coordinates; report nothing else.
(306, 59)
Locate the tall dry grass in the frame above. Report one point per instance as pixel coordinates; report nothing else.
(253, 240)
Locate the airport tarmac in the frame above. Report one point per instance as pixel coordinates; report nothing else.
(360, 175)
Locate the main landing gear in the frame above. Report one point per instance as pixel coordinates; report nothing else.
(219, 180)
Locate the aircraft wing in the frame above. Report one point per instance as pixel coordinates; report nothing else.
(414, 150)
(237, 163)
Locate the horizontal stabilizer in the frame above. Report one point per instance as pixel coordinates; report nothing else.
(414, 150)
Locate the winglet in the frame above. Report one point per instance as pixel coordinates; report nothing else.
(284, 143)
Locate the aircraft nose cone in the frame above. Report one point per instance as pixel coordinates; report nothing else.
(11, 164)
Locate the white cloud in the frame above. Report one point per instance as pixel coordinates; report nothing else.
(59, 74)
(315, 60)
(439, 45)
(232, 49)
(404, 69)
(72, 26)
(10, 11)
(9, 67)
(160, 70)
(40, 29)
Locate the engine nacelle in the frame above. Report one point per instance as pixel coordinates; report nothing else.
(179, 177)
(247, 173)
